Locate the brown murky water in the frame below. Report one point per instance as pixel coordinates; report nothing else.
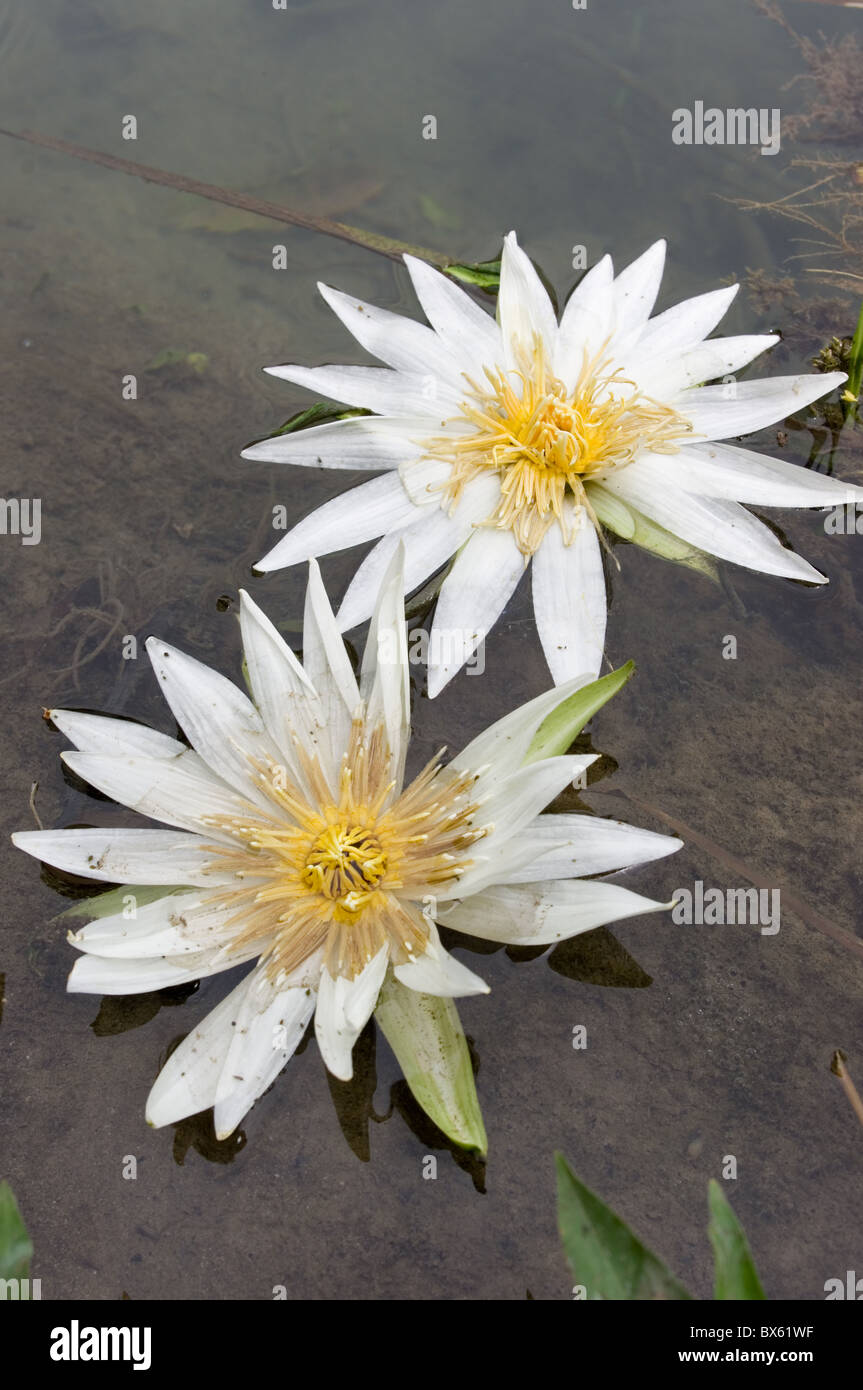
(718, 1041)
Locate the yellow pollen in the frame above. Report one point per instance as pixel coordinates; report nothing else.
(345, 863)
(546, 442)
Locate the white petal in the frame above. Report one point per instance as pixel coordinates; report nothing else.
(721, 528)
(283, 692)
(328, 663)
(179, 924)
(376, 388)
(717, 415)
(344, 1008)
(575, 846)
(402, 343)
(502, 747)
(569, 599)
(428, 544)
(124, 856)
(269, 1027)
(140, 975)
(685, 324)
(352, 517)
(438, 972)
(666, 375)
(187, 1082)
(524, 309)
(366, 442)
(220, 722)
(179, 791)
(97, 733)
(536, 914)
(472, 598)
(586, 321)
(469, 332)
(385, 680)
(636, 288)
(508, 807)
(742, 475)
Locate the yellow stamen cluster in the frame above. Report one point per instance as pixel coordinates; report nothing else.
(345, 870)
(546, 442)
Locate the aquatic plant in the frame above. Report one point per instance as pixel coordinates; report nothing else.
(297, 844)
(518, 440)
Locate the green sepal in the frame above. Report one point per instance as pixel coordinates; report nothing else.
(558, 730)
(426, 1035)
(106, 904)
(632, 525)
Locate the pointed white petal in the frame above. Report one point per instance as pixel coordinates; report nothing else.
(327, 661)
(134, 975)
(220, 722)
(402, 343)
(343, 1010)
(636, 289)
(180, 924)
(472, 598)
(666, 375)
(179, 791)
(269, 1027)
(721, 528)
(537, 914)
(97, 733)
(428, 544)
(569, 599)
(438, 972)
(288, 702)
(586, 321)
(470, 333)
(366, 442)
(187, 1082)
(575, 846)
(502, 747)
(685, 324)
(742, 475)
(371, 510)
(524, 309)
(385, 681)
(376, 388)
(124, 856)
(717, 415)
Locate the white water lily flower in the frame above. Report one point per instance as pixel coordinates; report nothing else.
(515, 440)
(300, 847)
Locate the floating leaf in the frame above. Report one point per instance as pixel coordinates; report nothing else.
(16, 1248)
(603, 1253)
(735, 1274)
(557, 731)
(426, 1035)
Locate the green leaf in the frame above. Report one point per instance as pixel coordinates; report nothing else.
(855, 366)
(735, 1274)
(106, 904)
(16, 1248)
(557, 731)
(484, 274)
(603, 1253)
(631, 525)
(426, 1035)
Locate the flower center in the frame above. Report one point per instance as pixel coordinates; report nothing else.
(346, 863)
(546, 442)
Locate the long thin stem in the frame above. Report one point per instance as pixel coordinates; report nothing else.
(371, 241)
